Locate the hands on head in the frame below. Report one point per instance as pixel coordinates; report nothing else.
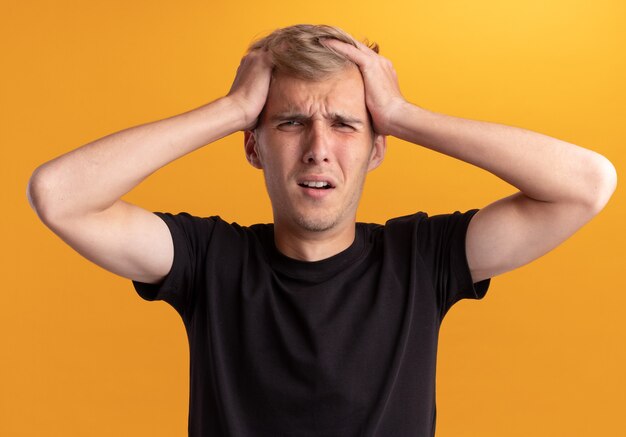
(382, 92)
(251, 85)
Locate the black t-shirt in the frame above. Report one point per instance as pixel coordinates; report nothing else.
(343, 347)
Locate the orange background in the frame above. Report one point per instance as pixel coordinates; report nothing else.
(81, 354)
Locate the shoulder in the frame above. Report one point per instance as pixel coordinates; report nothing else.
(422, 220)
(214, 229)
(426, 231)
(422, 216)
(187, 219)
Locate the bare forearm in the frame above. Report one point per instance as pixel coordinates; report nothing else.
(542, 167)
(92, 177)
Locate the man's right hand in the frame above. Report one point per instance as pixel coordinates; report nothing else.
(251, 86)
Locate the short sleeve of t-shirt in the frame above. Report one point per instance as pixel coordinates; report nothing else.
(441, 239)
(190, 237)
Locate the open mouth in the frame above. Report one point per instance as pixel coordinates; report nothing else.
(318, 185)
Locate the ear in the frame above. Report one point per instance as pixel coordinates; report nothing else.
(250, 146)
(378, 151)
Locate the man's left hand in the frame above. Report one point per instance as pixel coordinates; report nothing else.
(382, 92)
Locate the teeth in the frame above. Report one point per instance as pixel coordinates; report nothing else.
(315, 184)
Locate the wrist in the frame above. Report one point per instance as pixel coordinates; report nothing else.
(399, 117)
(237, 112)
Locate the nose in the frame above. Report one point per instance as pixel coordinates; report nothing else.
(316, 144)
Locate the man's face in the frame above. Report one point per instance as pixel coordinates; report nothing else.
(315, 144)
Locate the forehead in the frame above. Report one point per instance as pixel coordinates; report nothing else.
(342, 91)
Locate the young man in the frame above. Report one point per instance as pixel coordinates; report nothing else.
(317, 325)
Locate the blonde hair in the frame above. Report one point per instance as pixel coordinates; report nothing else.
(297, 50)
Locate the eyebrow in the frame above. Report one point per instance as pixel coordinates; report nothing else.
(288, 115)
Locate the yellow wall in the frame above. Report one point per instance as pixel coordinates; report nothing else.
(81, 354)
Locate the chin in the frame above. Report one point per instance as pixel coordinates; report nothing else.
(316, 224)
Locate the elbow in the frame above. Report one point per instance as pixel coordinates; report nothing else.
(603, 185)
(38, 194)
(33, 191)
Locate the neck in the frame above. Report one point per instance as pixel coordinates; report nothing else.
(313, 245)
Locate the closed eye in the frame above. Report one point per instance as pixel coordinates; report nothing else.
(344, 126)
(296, 124)
(289, 124)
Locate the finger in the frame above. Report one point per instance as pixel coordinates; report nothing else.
(363, 47)
(348, 50)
